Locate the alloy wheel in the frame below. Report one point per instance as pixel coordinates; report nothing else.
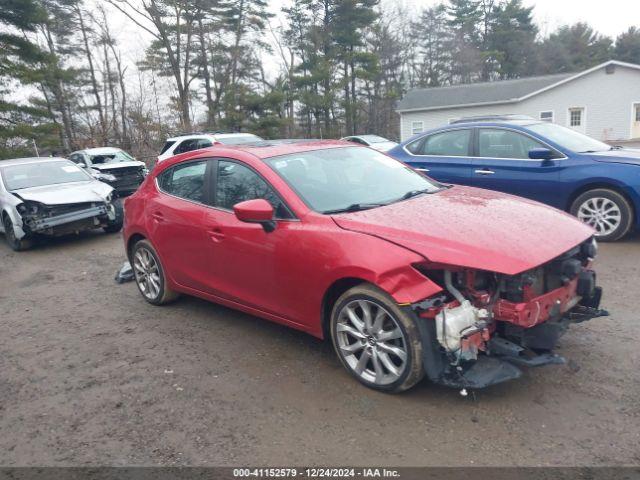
(371, 342)
(602, 214)
(147, 273)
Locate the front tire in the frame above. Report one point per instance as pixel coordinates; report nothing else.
(149, 274)
(375, 341)
(16, 244)
(607, 211)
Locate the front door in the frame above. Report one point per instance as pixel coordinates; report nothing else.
(444, 156)
(243, 257)
(503, 164)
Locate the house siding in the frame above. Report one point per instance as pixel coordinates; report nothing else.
(606, 98)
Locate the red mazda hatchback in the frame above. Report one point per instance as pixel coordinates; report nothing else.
(407, 276)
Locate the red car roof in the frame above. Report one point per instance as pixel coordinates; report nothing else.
(273, 150)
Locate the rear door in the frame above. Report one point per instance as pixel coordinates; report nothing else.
(502, 163)
(444, 155)
(176, 221)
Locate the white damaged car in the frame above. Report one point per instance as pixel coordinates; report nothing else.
(52, 196)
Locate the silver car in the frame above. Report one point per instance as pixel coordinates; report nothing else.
(52, 196)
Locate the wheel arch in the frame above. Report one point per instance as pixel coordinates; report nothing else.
(606, 185)
(335, 290)
(133, 239)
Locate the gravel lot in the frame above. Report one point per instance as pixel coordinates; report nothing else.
(90, 374)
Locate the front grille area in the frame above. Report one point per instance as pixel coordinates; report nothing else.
(55, 210)
(128, 178)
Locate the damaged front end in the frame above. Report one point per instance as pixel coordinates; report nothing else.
(63, 219)
(484, 326)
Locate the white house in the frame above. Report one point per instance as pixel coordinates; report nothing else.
(603, 102)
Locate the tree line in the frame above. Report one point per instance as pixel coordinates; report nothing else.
(319, 69)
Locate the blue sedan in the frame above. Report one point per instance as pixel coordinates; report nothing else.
(543, 161)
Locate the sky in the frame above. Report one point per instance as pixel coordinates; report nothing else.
(609, 17)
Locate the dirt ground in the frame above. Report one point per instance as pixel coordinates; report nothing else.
(90, 374)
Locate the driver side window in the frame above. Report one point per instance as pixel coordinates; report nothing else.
(500, 143)
(237, 183)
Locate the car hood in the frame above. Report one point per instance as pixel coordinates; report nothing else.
(103, 167)
(473, 228)
(628, 156)
(78, 192)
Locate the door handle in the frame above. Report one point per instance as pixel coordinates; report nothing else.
(216, 234)
(157, 216)
(485, 171)
(422, 169)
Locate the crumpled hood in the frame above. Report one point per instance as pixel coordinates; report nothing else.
(473, 228)
(103, 167)
(628, 156)
(64, 193)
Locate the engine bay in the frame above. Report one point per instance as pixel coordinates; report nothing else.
(518, 318)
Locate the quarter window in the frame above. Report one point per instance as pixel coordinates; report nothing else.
(498, 143)
(237, 183)
(186, 180)
(454, 143)
(167, 146)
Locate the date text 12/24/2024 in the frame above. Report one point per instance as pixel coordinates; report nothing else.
(317, 472)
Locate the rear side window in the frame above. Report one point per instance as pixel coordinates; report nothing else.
(498, 143)
(167, 146)
(203, 143)
(237, 183)
(454, 143)
(186, 146)
(186, 180)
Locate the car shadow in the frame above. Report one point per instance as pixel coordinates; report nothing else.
(42, 242)
(275, 339)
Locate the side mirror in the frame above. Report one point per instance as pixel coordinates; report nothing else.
(541, 154)
(256, 211)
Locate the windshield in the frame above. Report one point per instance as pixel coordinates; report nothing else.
(39, 174)
(373, 139)
(569, 139)
(239, 139)
(349, 178)
(115, 157)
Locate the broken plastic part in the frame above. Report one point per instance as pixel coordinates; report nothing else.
(125, 274)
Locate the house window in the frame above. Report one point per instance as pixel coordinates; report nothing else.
(416, 127)
(546, 116)
(576, 117)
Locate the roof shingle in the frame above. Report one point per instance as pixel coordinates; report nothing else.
(486, 92)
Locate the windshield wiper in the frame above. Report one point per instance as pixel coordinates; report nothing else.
(616, 147)
(414, 193)
(355, 207)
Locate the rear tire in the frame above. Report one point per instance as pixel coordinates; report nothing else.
(376, 341)
(607, 211)
(10, 236)
(149, 274)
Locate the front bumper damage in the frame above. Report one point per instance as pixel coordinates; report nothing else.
(53, 223)
(522, 334)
